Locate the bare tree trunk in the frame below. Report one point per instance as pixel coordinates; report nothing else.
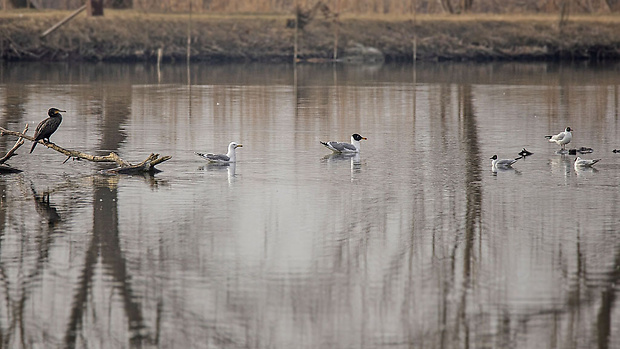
(466, 5)
(297, 10)
(95, 7)
(564, 12)
(446, 6)
(606, 6)
(336, 29)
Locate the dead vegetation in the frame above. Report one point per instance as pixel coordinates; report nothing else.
(344, 6)
(135, 36)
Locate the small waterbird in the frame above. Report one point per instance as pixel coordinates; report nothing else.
(341, 147)
(502, 163)
(227, 158)
(581, 163)
(562, 138)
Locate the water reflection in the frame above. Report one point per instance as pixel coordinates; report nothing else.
(409, 244)
(355, 159)
(562, 164)
(584, 171)
(229, 168)
(513, 170)
(45, 208)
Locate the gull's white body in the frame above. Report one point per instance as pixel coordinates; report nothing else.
(502, 163)
(342, 147)
(227, 158)
(562, 138)
(581, 163)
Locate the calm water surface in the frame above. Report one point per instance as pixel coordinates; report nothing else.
(416, 243)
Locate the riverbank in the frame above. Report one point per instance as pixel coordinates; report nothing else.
(133, 36)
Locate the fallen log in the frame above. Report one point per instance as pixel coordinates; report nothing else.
(147, 165)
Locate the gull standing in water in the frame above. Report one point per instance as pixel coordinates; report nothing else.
(341, 147)
(562, 138)
(227, 158)
(502, 163)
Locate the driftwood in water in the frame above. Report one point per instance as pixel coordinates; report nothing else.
(148, 165)
(12, 152)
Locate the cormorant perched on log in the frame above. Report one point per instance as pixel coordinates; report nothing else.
(47, 127)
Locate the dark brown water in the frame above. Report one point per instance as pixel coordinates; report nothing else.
(416, 243)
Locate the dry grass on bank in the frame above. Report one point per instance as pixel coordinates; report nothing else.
(131, 35)
(132, 14)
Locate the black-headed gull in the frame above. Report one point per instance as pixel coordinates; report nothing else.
(502, 163)
(341, 147)
(227, 158)
(581, 163)
(562, 138)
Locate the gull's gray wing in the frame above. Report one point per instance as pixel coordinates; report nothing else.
(214, 157)
(505, 162)
(560, 136)
(340, 146)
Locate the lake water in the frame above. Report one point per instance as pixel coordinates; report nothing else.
(416, 243)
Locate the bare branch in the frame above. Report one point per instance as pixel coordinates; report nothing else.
(147, 165)
(125, 167)
(12, 151)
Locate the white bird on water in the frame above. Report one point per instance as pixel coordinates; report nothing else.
(227, 158)
(502, 163)
(341, 147)
(581, 163)
(562, 138)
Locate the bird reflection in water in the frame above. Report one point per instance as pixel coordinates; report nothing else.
(46, 210)
(496, 170)
(561, 164)
(584, 171)
(231, 169)
(354, 158)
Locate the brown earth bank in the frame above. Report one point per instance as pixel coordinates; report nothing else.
(133, 36)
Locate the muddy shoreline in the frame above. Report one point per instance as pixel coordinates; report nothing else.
(130, 36)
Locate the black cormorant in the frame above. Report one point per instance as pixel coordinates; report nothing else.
(47, 127)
